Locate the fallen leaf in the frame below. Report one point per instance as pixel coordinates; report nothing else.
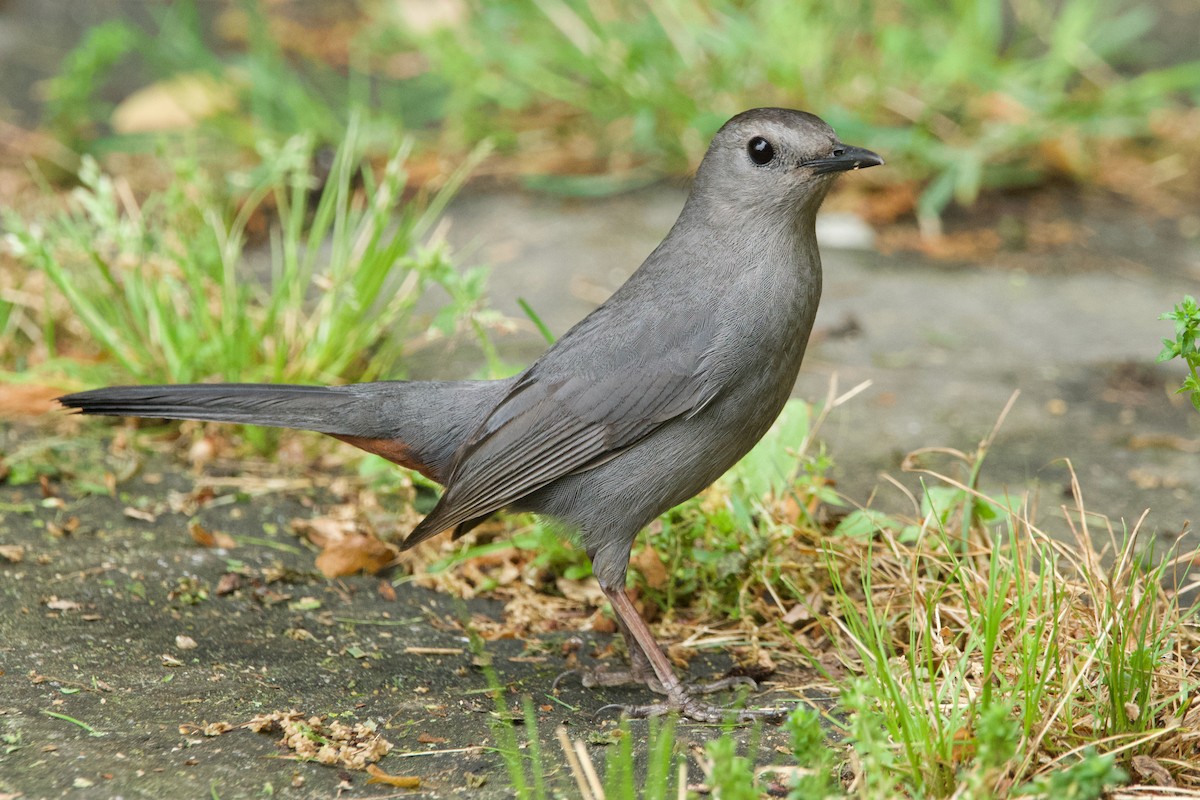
(28, 400)
(648, 562)
(351, 746)
(800, 612)
(216, 728)
(602, 623)
(136, 513)
(12, 553)
(354, 554)
(228, 583)
(174, 104)
(399, 781)
(206, 538)
(323, 530)
(54, 604)
(1152, 771)
(584, 593)
(429, 738)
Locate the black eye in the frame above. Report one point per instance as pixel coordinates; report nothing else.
(761, 151)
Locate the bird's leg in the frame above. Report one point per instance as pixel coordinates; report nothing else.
(639, 671)
(679, 698)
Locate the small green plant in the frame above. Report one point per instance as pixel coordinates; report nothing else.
(1185, 345)
(732, 774)
(1088, 778)
(814, 754)
(638, 767)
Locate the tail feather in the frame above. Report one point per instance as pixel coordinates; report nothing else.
(417, 424)
(314, 408)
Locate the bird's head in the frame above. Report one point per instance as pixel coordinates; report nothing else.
(774, 161)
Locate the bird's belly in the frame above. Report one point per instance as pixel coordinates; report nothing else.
(623, 494)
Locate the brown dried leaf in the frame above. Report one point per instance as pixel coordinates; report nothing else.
(321, 530)
(206, 538)
(354, 554)
(800, 612)
(1149, 770)
(399, 781)
(350, 746)
(177, 103)
(585, 592)
(648, 562)
(429, 738)
(137, 513)
(27, 400)
(228, 583)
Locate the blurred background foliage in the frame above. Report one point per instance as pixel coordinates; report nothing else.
(297, 127)
(961, 95)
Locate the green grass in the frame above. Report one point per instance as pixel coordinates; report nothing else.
(165, 287)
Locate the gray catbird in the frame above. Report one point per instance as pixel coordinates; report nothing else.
(641, 405)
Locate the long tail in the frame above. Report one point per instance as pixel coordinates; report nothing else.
(312, 408)
(418, 424)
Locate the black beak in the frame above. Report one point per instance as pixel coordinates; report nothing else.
(845, 157)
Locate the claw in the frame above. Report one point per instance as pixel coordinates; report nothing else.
(698, 712)
(731, 682)
(561, 676)
(618, 708)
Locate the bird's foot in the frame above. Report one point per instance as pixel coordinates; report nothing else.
(689, 707)
(592, 678)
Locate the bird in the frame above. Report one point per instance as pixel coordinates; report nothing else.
(638, 407)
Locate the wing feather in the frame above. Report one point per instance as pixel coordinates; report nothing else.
(568, 414)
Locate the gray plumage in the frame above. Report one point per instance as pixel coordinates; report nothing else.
(640, 405)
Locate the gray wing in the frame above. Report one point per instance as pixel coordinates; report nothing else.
(572, 411)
